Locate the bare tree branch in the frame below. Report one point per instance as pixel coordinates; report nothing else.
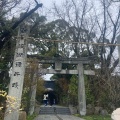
(5, 34)
(36, 2)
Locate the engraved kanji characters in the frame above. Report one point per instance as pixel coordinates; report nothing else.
(15, 85)
(23, 30)
(19, 55)
(18, 64)
(16, 73)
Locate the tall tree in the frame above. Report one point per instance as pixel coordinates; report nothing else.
(5, 33)
(7, 30)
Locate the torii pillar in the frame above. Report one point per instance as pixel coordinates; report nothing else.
(81, 90)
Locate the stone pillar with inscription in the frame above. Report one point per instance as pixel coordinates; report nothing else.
(17, 77)
(81, 90)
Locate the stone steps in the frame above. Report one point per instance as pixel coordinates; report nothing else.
(54, 110)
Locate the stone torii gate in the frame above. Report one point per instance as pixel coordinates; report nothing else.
(80, 71)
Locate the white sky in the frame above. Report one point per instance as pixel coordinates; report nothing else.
(47, 7)
(48, 3)
(47, 77)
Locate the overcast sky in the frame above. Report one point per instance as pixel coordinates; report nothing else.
(47, 7)
(48, 3)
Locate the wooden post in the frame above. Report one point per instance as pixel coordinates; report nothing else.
(17, 77)
(33, 95)
(33, 90)
(81, 90)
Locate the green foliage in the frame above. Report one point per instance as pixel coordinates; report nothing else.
(73, 86)
(2, 65)
(40, 90)
(96, 117)
(64, 99)
(73, 90)
(51, 52)
(61, 89)
(104, 99)
(31, 117)
(54, 77)
(89, 95)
